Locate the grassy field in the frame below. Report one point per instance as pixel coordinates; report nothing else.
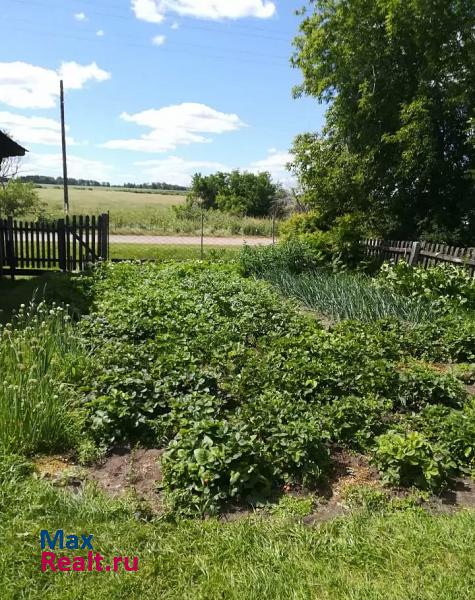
(148, 213)
(171, 252)
(400, 556)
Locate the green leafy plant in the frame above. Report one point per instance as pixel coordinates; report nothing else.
(211, 463)
(410, 459)
(446, 285)
(419, 385)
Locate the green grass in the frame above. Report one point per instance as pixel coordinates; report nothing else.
(148, 213)
(348, 296)
(170, 252)
(394, 556)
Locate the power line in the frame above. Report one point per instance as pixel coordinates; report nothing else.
(113, 36)
(234, 56)
(243, 31)
(176, 17)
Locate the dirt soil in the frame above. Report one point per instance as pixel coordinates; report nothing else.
(125, 471)
(137, 471)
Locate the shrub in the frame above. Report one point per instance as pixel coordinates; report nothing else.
(294, 256)
(18, 199)
(339, 242)
(444, 284)
(300, 223)
(410, 459)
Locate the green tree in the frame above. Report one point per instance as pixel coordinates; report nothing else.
(398, 143)
(236, 192)
(18, 199)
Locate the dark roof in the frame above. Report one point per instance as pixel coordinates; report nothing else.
(9, 148)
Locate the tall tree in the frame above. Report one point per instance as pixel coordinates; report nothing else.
(399, 140)
(252, 194)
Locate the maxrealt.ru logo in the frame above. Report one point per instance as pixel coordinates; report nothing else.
(92, 562)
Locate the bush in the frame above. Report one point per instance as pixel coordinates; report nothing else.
(294, 256)
(410, 459)
(443, 284)
(18, 199)
(300, 223)
(339, 244)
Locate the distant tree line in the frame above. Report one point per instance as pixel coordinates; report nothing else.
(158, 185)
(46, 180)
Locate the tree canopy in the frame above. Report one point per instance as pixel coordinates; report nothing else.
(235, 192)
(398, 143)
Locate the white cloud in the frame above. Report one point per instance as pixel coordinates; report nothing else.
(147, 10)
(275, 163)
(176, 125)
(76, 75)
(23, 85)
(78, 167)
(159, 40)
(100, 33)
(175, 25)
(154, 11)
(176, 170)
(33, 130)
(80, 16)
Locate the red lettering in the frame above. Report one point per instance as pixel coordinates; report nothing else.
(64, 563)
(135, 564)
(98, 559)
(47, 560)
(117, 560)
(79, 563)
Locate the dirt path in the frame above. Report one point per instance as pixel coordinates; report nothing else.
(162, 240)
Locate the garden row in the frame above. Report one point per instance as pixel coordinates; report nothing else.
(245, 393)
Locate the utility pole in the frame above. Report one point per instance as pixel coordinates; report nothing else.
(63, 142)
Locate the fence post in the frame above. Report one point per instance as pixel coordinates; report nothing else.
(10, 247)
(62, 258)
(103, 236)
(415, 252)
(2, 246)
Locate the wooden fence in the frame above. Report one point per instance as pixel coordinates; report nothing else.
(422, 254)
(67, 244)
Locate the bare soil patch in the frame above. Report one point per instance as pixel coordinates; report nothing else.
(127, 471)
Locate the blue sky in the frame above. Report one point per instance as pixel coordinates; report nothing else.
(155, 89)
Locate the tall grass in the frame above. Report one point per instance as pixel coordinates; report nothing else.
(348, 296)
(151, 213)
(35, 400)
